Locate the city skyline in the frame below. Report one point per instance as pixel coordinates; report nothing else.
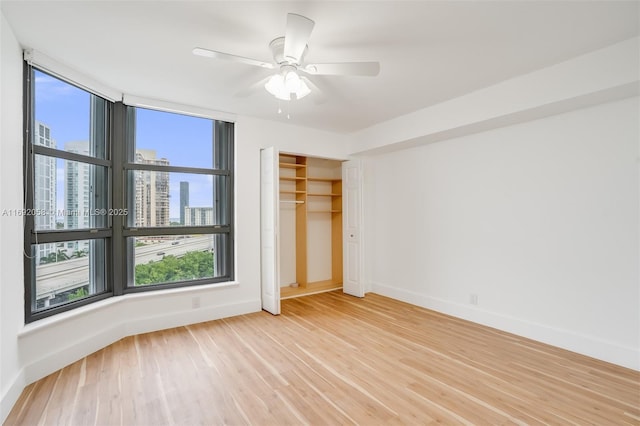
(65, 110)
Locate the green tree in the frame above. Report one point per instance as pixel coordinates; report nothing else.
(78, 253)
(193, 265)
(58, 256)
(61, 255)
(78, 294)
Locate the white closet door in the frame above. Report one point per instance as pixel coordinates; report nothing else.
(269, 228)
(352, 228)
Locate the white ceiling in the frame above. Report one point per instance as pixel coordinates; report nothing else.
(429, 51)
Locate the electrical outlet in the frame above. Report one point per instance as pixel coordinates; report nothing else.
(473, 299)
(195, 302)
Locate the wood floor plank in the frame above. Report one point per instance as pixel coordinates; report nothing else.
(332, 359)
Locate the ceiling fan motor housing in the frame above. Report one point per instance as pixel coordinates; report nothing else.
(277, 50)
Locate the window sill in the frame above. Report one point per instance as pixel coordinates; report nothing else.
(77, 313)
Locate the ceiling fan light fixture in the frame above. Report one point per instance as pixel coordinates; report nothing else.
(292, 81)
(288, 86)
(277, 88)
(303, 90)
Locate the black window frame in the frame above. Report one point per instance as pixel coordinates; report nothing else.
(223, 139)
(116, 232)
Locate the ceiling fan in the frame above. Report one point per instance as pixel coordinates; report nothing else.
(288, 55)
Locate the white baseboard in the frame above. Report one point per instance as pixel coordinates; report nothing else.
(9, 398)
(87, 345)
(566, 339)
(182, 318)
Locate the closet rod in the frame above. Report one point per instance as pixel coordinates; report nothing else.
(292, 201)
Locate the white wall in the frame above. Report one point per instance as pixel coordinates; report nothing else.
(540, 220)
(11, 300)
(33, 351)
(290, 139)
(596, 77)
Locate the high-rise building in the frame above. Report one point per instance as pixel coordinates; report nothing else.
(184, 199)
(44, 188)
(152, 191)
(77, 195)
(198, 216)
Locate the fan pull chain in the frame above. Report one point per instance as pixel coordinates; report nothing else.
(288, 109)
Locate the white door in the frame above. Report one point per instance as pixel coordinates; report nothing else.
(352, 228)
(269, 226)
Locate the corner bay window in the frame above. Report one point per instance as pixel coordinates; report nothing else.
(120, 199)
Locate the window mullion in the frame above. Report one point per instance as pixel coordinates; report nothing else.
(118, 145)
(28, 172)
(44, 237)
(176, 169)
(70, 156)
(176, 230)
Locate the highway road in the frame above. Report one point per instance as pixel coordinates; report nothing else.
(177, 248)
(58, 277)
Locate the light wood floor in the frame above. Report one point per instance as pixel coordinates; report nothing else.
(332, 359)
(288, 292)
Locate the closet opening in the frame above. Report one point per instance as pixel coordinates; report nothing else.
(310, 210)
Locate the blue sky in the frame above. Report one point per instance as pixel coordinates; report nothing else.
(183, 140)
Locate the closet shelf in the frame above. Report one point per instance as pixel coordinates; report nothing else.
(293, 192)
(292, 178)
(319, 179)
(315, 194)
(292, 165)
(324, 211)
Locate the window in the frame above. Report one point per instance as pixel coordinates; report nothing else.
(119, 199)
(178, 184)
(66, 244)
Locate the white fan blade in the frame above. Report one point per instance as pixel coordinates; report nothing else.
(253, 89)
(296, 36)
(228, 57)
(344, 68)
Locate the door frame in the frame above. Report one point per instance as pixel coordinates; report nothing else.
(269, 292)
